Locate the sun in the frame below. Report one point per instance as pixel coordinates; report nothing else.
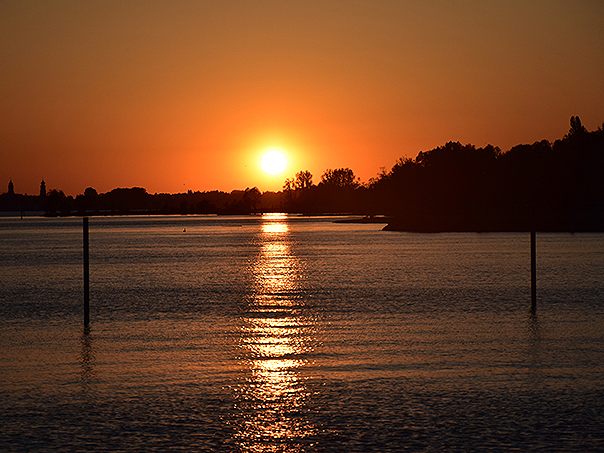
(273, 161)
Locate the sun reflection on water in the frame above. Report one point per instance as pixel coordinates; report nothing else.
(276, 338)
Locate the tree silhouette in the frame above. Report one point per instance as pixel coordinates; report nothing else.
(251, 199)
(341, 178)
(576, 128)
(289, 185)
(90, 193)
(303, 180)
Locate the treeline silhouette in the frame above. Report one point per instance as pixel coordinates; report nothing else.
(543, 186)
(136, 200)
(547, 186)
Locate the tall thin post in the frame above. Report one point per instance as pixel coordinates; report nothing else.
(533, 273)
(86, 275)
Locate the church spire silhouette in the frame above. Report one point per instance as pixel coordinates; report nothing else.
(42, 190)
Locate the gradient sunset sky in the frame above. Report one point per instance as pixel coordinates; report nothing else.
(177, 95)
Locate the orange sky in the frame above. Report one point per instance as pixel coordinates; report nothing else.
(184, 95)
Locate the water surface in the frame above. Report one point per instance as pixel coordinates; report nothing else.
(297, 334)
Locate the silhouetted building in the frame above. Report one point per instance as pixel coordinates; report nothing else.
(11, 187)
(42, 190)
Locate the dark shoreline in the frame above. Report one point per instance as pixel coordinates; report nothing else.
(391, 223)
(396, 227)
(366, 219)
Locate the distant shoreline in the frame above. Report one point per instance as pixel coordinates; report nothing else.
(367, 219)
(406, 228)
(392, 224)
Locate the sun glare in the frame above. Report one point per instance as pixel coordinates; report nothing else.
(273, 161)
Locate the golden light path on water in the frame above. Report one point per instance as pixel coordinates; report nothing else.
(276, 336)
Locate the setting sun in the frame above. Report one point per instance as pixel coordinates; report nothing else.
(273, 161)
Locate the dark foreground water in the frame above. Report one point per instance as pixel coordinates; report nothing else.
(297, 334)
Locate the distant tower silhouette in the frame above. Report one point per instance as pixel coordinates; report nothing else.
(11, 187)
(42, 190)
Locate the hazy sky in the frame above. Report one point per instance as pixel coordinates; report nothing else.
(185, 95)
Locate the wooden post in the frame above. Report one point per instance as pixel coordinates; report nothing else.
(533, 273)
(86, 275)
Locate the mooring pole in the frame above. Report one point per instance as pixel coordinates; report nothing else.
(533, 273)
(86, 275)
